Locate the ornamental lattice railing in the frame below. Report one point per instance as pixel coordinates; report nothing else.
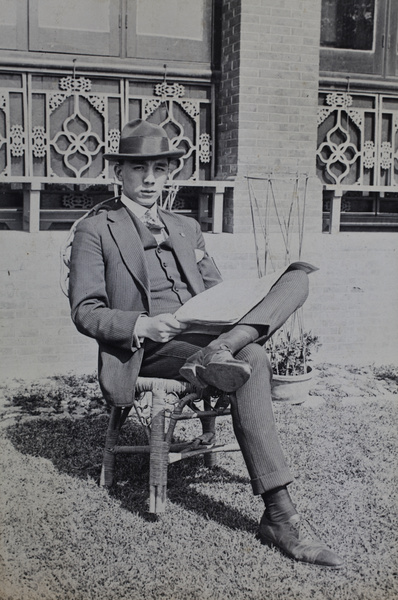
(358, 141)
(55, 129)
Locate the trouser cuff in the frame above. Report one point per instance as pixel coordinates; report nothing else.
(268, 482)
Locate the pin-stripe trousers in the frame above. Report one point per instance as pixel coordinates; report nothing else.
(251, 405)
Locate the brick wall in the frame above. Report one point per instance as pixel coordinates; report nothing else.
(268, 100)
(36, 336)
(353, 299)
(352, 305)
(228, 91)
(279, 65)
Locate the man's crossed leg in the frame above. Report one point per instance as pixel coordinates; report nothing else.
(236, 362)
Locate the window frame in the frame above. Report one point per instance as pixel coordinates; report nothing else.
(74, 41)
(365, 62)
(15, 36)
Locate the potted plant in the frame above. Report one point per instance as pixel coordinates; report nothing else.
(278, 220)
(290, 357)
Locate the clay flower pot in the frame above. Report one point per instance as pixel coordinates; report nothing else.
(291, 389)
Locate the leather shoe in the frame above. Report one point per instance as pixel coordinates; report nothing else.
(216, 367)
(188, 371)
(296, 539)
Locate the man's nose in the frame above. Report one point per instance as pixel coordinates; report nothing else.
(149, 175)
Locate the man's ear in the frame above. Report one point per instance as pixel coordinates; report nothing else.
(118, 172)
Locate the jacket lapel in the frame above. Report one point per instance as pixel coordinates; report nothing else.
(130, 246)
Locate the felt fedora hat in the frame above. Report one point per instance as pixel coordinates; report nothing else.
(141, 140)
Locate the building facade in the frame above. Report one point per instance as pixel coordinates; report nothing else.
(288, 132)
(357, 117)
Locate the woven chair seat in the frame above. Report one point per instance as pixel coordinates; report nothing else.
(170, 386)
(169, 390)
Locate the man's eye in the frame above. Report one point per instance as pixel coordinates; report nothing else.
(161, 169)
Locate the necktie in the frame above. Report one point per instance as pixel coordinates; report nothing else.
(152, 222)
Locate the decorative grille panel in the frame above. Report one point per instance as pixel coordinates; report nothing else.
(56, 129)
(358, 141)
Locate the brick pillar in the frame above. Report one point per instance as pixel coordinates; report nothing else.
(267, 103)
(228, 91)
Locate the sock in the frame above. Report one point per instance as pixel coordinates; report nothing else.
(278, 504)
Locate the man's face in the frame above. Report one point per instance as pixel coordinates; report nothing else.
(143, 181)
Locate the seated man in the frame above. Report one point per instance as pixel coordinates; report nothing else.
(132, 266)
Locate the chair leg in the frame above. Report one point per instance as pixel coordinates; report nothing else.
(108, 463)
(209, 426)
(159, 451)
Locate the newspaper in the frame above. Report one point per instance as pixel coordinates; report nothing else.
(227, 302)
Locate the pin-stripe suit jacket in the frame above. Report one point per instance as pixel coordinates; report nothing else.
(109, 287)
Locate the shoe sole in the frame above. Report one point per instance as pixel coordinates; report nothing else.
(227, 378)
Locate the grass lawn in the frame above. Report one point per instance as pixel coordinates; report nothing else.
(65, 538)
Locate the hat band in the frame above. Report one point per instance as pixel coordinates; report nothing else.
(145, 145)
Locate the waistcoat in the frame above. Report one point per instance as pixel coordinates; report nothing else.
(167, 286)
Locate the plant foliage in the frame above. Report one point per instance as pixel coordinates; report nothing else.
(290, 355)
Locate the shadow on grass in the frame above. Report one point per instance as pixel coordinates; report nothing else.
(75, 448)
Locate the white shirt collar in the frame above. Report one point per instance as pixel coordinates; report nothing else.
(137, 209)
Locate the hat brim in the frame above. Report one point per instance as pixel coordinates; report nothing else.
(168, 154)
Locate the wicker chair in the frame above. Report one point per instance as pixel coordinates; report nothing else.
(156, 402)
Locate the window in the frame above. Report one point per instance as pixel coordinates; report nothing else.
(176, 29)
(370, 211)
(13, 24)
(83, 27)
(172, 30)
(359, 37)
(348, 25)
(11, 206)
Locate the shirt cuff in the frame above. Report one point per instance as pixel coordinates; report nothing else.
(138, 341)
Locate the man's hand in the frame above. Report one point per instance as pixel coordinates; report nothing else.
(161, 328)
